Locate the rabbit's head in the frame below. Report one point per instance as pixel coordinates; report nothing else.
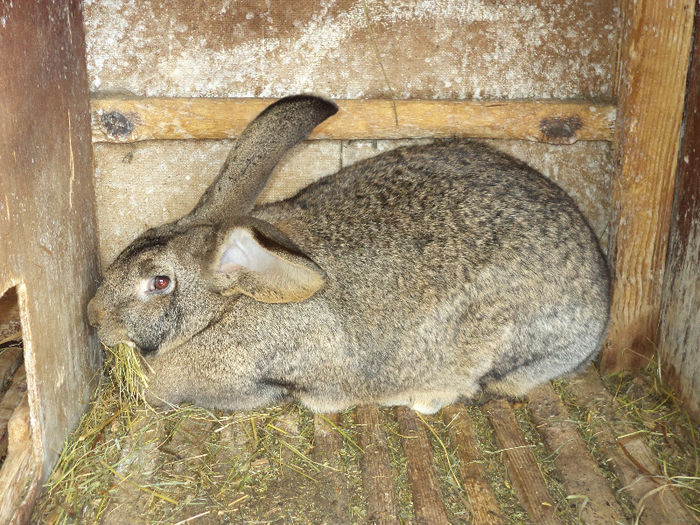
(177, 279)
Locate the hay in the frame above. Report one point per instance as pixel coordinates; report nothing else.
(402, 490)
(128, 462)
(495, 468)
(585, 420)
(125, 369)
(546, 464)
(651, 406)
(446, 465)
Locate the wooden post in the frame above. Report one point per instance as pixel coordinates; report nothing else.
(652, 76)
(679, 343)
(48, 249)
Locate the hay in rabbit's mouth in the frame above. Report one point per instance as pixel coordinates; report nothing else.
(125, 368)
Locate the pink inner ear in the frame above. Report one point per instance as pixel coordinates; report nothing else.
(241, 251)
(266, 276)
(229, 268)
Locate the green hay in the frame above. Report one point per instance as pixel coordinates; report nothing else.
(351, 456)
(125, 370)
(584, 418)
(446, 466)
(402, 490)
(652, 409)
(195, 464)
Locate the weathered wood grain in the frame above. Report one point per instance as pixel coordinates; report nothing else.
(655, 499)
(428, 506)
(48, 229)
(120, 119)
(652, 77)
(595, 501)
(441, 49)
(521, 465)
(483, 505)
(679, 343)
(377, 475)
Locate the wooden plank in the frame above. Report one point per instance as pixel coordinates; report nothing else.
(652, 78)
(579, 472)
(656, 500)
(482, 501)
(520, 464)
(332, 486)
(377, 474)
(327, 440)
(680, 310)
(10, 401)
(121, 119)
(10, 324)
(427, 502)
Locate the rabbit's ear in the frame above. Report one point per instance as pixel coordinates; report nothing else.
(255, 153)
(268, 268)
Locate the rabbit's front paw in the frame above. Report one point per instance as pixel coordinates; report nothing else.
(431, 402)
(424, 402)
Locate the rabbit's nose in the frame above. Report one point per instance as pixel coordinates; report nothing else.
(95, 313)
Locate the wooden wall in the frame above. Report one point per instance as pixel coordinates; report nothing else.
(679, 339)
(534, 49)
(444, 49)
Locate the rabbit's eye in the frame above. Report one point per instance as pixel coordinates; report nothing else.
(159, 283)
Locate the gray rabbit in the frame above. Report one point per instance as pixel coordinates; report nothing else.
(419, 277)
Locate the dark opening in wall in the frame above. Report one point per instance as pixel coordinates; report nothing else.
(13, 380)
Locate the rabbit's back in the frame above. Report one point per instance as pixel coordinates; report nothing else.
(453, 257)
(446, 205)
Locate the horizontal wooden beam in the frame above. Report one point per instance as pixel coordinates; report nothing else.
(122, 119)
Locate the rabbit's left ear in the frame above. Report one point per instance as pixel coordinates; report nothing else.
(255, 153)
(263, 263)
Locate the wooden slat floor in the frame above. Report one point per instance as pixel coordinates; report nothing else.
(501, 462)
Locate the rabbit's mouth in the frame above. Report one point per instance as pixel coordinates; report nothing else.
(114, 341)
(113, 336)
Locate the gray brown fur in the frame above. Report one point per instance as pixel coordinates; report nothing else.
(417, 277)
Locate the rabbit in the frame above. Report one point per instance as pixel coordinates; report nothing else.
(423, 276)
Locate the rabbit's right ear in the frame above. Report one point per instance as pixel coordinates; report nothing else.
(261, 262)
(254, 155)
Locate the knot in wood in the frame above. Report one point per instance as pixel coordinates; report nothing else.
(117, 124)
(560, 130)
